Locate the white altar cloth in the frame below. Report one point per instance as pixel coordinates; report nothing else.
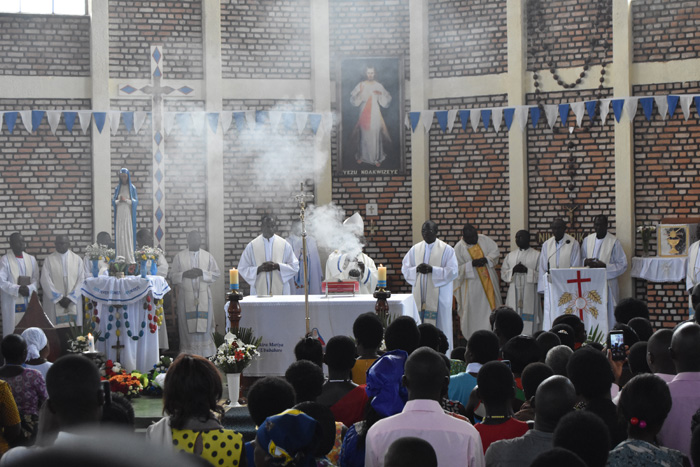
(657, 269)
(280, 321)
(132, 293)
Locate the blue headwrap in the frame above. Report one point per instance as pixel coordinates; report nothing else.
(384, 383)
(291, 436)
(134, 203)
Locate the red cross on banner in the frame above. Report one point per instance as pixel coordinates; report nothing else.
(579, 304)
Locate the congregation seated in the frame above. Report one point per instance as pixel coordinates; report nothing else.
(368, 332)
(311, 349)
(307, 380)
(119, 412)
(410, 452)
(482, 347)
(345, 398)
(576, 325)
(520, 351)
(629, 308)
(290, 439)
(547, 341)
(28, 385)
(331, 439)
(402, 334)
(429, 336)
(586, 435)
(37, 350)
(532, 377)
(506, 324)
(557, 359)
(10, 427)
(191, 393)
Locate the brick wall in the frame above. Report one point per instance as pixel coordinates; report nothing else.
(665, 30)
(547, 152)
(567, 25)
(266, 39)
(467, 38)
(46, 181)
(44, 45)
(263, 171)
(135, 26)
(666, 170)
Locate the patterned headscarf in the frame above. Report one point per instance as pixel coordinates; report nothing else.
(290, 438)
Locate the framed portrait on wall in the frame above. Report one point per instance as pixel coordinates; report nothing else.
(672, 240)
(370, 96)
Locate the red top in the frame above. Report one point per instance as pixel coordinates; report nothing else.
(509, 429)
(351, 408)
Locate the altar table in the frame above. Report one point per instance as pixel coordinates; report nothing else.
(134, 294)
(280, 320)
(657, 269)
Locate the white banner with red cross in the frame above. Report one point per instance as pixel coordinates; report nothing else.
(579, 291)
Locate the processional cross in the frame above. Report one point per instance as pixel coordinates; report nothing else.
(301, 199)
(158, 89)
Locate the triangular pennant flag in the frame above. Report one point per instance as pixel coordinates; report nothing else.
(69, 120)
(100, 118)
(521, 113)
(618, 105)
(327, 122)
(442, 119)
(128, 118)
(578, 108)
(139, 118)
(662, 105)
(672, 104)
(53, 116)
(508, 114)
(631, 107)
(314, 122)
(198, 121)
(251, 118)
(241, 120)
(451, 116)
(84, 116)
(184, 121)
(37, 117)
(169, 122)
(213, 120)
(275, 118)
(415, 118)
(497, 117)
(115, 117)
(590, 109)
(697, 103)
(685, 106)
(474, 118)
(535, 115)
(604, 110)
(2, 115)
(464, 117)
(486, 118)
(301, 118)
(261, 116)
(226, 119)
(286, 117)
(26, 116)
(550, 111)
(11, 119)
(564, 113)
(647, 106)
(406, 122)
(427, 118)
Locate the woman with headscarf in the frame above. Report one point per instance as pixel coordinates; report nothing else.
(37, 350)
(289, 439)
(125, 202)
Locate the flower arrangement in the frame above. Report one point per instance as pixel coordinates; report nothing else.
(119, 267)
(647, 231)
(97, 252)
(78, 341)
(234, 355)
(128, 384)
(156, 377)
(148, 252)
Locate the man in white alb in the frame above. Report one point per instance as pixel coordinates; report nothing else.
(561, 250)
(519, 269)
(19, 278)
(349, 263)
(62, 277)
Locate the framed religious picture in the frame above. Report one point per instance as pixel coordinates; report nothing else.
(673, 240)
(371, 133)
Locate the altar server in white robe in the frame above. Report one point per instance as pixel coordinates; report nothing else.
(349, 263)
(268, 262)
(193, 271)
(602, 250)
(144, 237)
(62, 276)
(430, 267)
(103, 238)
(561, 250)
(296, 284)
(477, 287)
(19, 278)
(519, 269)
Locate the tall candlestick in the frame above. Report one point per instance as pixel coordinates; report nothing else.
(233, 278)
(381, 276)
(91, 343)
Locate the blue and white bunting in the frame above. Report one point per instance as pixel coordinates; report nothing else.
(578, 108)
(631, 107)
(26, 116)
(564, 113)
(442, 119)
(474, 118)
(139, 119)
(427, 118)
(672, 102)
(85, 117)
(685, 106)
(618, 105)
(497, 117)
(11, 120)
(54, 117)
(550, 111)
(486, 118)
(604, 110)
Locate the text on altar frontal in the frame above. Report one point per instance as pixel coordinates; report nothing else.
(270, 347)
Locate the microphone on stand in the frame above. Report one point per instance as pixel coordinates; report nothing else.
(555, 252)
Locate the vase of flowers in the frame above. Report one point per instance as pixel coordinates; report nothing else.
(97, 252)
(647, 231)
(146, 253)
(232, 357)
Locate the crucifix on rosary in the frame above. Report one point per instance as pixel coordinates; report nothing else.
(118, 346)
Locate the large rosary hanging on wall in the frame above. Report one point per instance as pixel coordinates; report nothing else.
(542, 47)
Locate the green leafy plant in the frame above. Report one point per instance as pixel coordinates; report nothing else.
(596, 335)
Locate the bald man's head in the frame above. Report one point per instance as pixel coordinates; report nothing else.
(555, 397)
(685, 347)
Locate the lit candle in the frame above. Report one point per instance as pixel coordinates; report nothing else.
(381, 276)
(91, 343)
(233, 278)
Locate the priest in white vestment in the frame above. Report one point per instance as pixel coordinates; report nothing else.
(104, 239)
(19, 278)
(602, 250)
(369, 95)
(349, 263)
(296, 284)
(144, 237)
(125, 201)
(430, 267)
(268, 262)
(477, 287)
(519, 269)
(193, 271)
(561, 250)
(62, 277)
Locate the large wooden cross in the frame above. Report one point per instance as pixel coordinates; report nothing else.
(578, 281)
(158, 89)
